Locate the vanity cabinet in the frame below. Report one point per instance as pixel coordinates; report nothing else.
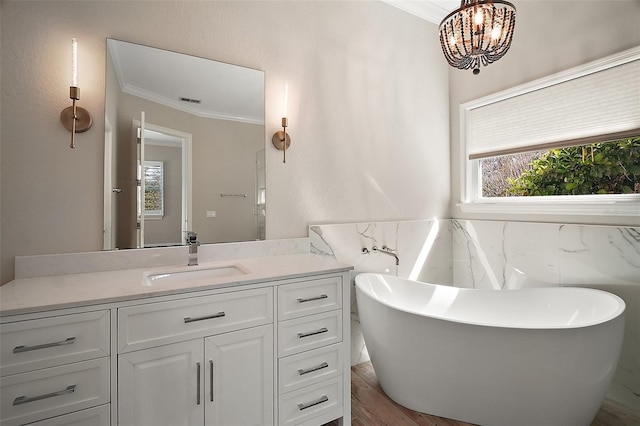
(52, 366)
(267, 351)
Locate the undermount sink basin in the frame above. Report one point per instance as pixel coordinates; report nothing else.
(181, 276)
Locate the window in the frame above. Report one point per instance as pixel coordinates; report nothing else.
(568, 143)
(153, 189)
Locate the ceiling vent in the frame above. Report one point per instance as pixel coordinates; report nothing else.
(193, 101)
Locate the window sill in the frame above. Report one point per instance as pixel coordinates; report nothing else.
(589, 205)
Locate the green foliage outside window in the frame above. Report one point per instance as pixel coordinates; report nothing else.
(599, 168)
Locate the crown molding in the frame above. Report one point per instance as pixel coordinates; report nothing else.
(432, 11)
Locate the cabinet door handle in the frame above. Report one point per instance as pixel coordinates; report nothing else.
(312, 333)
(304, 406)
(189, 319)
(211, 379)
(22, 348)
(302, 371)
(24, 399)
(197, 383)
(309, 299)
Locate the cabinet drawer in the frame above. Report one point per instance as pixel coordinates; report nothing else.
(309, 297)
(307, 368)
(47, 342)
(154, 324)
(309, 402)
(37, 395)
(97, 416)
(311, 332)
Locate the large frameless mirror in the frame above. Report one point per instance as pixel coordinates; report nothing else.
(184, 149)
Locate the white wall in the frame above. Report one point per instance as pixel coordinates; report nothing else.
(368, 93)
(550, 36)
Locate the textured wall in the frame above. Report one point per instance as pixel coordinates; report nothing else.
(368, 92)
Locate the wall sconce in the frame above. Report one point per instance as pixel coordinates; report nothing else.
(74, 118)
(281, 139)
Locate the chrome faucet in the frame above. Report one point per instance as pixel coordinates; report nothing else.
(386, 250)
(193, 243)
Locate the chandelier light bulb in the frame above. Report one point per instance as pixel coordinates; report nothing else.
(479, 18)
(496, 32)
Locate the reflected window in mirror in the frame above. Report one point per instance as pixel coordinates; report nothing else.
(154, 189)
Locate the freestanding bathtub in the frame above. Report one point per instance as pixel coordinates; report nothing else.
(538, 357)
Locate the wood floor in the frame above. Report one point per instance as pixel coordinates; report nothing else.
(371, 407)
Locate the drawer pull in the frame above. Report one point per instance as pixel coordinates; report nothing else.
(312, 333)
(22, 348)
(323, 398)
(25, 400)
(302, 371)
(189, 319)
(197, 383)
(310, 299)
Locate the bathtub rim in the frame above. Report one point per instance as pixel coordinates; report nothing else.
(619, 311)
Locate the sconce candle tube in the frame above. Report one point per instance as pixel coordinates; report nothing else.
(286, 99)
(74, 63)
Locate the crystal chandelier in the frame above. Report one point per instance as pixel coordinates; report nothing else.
(478, 32)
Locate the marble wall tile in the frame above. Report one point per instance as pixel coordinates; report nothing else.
(423, 247)
(504, 255)
(608, 258)
(599, 254)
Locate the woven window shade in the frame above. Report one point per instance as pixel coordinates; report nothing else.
(596, 107)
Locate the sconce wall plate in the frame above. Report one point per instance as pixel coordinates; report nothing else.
(279, 139)
(83, 119)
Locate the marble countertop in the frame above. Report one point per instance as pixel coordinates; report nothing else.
(27, 295)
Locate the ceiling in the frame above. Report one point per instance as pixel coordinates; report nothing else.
(194, 85)
(430, 10)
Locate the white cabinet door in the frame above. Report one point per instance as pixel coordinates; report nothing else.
(162, 386)
(239, 378)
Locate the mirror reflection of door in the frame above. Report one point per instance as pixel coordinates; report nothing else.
(111, 190)
(164, 201)
(140, 181)
(261, 195)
